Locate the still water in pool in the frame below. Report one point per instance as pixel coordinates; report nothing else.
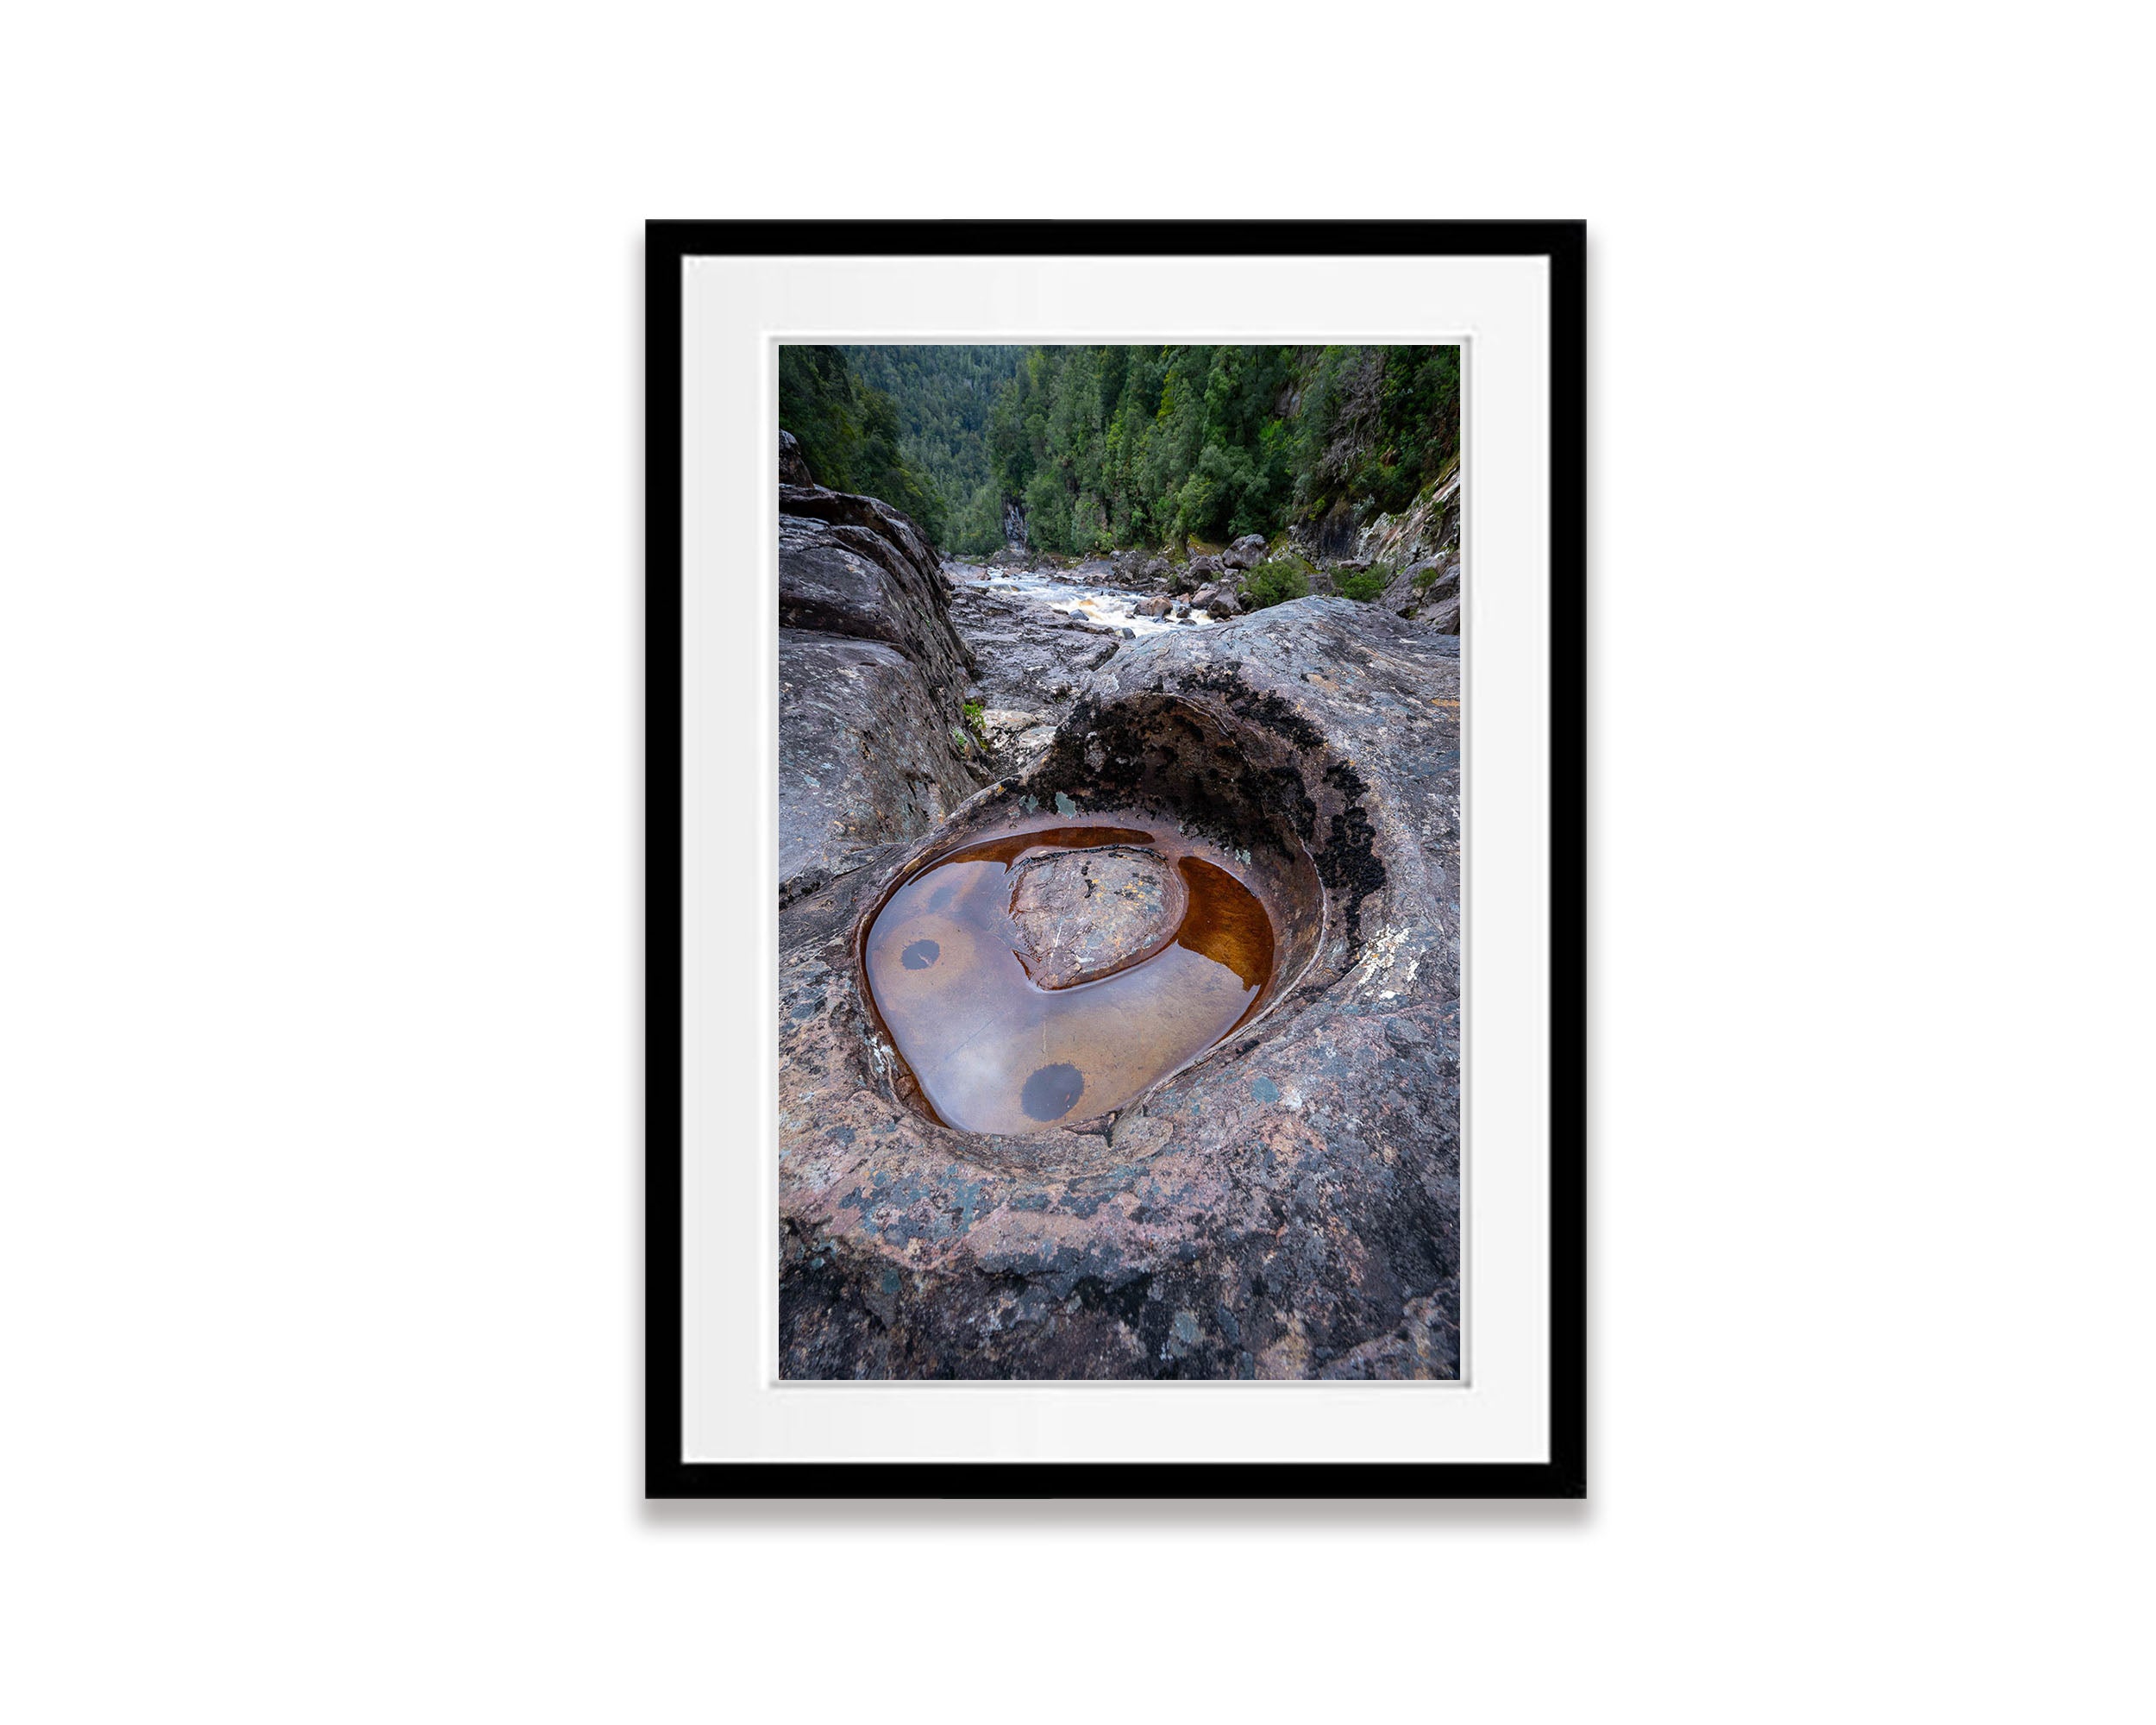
(1050, 976)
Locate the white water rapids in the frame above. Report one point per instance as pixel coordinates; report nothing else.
(1114, 607)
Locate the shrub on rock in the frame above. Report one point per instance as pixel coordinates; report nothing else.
(1276, 582)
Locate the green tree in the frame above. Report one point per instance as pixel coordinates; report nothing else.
(1047, 512)
(849, 434)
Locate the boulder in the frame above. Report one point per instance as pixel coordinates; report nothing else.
(1203, 569)
(1081, 915)
(1156, 606)
(1423, 586)
(793, 467)
(1433, 577)
(1247, 553)
(1287, 1205)
(1224, 605)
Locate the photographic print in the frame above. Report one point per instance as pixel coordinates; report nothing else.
(1120, 719)
(1116, 865)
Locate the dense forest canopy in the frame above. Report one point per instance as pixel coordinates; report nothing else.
(1109, 446)
(944, 396)
(851, 434)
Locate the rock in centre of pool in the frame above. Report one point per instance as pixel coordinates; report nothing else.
(1083, 913)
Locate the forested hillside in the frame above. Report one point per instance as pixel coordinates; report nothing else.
(851, 435)
(1110, 447)
(944, 397)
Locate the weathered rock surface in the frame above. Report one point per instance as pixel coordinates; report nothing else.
(1424, 544)
(1288, 1206)
(1247, 553)
(871, 676)
(1429, 525)
(866, 758)
(1334, 535)
(1015, 734)
(1443, 616)
(1084, 913)
(793, 467)
(854, 566)
(1428, 588)
(1433, 577)
(1023, 663)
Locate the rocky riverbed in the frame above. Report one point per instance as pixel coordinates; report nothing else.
(1284, 1205)
(1037, 633)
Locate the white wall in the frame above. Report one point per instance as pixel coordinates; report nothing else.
(319, 698)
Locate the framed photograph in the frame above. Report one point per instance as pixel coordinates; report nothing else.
(1117, 859)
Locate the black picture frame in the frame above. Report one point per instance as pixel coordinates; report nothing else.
(669, 244)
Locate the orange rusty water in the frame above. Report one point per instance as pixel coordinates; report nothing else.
(994, 1051)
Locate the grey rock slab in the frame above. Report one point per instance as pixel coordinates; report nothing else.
(1023, 657)
(853, 566)
(866, 757)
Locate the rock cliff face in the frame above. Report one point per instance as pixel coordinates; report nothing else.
(1285, 1207)
(1423, 544)
(871, 678)
(1419, 547)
